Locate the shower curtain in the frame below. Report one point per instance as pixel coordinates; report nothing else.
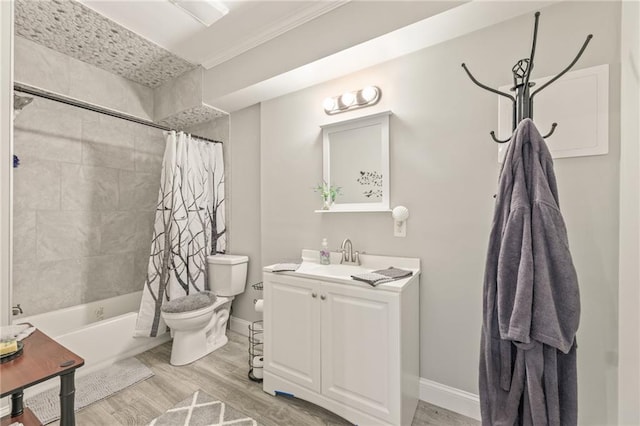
(189, 226)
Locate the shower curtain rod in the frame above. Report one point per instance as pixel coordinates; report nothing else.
(25, 88)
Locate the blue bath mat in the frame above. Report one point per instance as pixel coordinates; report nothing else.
(90, 388)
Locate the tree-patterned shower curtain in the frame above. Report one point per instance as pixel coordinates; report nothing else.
(189, 226)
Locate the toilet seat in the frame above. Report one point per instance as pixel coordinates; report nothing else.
(220, 300)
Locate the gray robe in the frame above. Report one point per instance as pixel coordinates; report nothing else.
(531, 305)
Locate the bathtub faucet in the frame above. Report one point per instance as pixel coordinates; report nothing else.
(16, 310)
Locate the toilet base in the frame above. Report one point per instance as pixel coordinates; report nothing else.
(189, 346)
(180, 356)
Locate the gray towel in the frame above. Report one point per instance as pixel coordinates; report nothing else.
(382, 276)
(395, 273)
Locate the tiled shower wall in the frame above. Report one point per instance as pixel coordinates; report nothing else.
(84, 204)
(85, 191)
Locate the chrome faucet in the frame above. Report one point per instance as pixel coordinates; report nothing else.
(348, 255)
(16, 310)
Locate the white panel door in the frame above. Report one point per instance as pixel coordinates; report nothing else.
(359, 327)
(292, 330)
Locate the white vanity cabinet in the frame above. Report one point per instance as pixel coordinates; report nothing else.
(347, 347)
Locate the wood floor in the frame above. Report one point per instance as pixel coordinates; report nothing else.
(223, 375)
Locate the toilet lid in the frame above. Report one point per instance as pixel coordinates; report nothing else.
(188, 303)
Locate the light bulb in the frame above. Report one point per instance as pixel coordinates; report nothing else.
(347, 99)
(369, 93)
(329, 104)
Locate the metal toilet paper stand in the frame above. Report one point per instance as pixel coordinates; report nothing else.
(256, 342)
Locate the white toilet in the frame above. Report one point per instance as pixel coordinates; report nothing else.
(198, 321)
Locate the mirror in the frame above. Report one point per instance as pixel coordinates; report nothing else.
(356, 159)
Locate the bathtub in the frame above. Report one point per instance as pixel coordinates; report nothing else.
(101, 332)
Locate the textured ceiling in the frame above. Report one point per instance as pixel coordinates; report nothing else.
(75, 30)
(192, 116)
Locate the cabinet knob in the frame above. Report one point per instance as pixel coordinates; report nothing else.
(322, 296)
(314, 295)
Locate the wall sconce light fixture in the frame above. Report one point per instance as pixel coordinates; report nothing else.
(348, 101)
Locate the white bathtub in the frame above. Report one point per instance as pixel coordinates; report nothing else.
(100, 332)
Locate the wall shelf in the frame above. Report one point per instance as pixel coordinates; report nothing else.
(355, 211)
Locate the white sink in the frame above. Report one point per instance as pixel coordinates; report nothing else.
(341, 273)
(334, 270)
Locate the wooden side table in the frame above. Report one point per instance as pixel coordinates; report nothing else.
(43, 358)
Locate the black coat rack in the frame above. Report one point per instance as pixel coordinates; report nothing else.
(523, 100)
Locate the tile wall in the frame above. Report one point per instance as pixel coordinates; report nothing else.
(84, 204)
(56, 72)
(86, 188)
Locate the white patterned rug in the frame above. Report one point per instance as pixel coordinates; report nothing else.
(201, 409)
(90, 388)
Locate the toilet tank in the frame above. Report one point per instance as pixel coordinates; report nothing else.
(227, 274)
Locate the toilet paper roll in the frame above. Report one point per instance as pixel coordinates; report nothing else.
(259, 306)
(257, 373)
(258, 363)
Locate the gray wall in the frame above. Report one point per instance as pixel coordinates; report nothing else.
(242, 178)
(244, 197)
(86, 189)
(217, 130)
(444, 169)
(178, 94)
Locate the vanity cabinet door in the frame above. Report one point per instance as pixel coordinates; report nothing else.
(360, 355)
(292, 330)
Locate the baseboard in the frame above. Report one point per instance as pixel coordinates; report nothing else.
(239, 325)
(459, 401)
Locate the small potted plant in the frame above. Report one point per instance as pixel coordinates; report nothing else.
(328, 194)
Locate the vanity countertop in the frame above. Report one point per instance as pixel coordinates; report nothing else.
(341, 273)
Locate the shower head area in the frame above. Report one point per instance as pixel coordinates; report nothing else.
(19, 102)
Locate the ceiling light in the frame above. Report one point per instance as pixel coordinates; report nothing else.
(329, 104)
(369, 93)
(205, 11)
(347, 99)
(368, 96)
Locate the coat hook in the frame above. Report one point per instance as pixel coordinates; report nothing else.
(564, 71)
(553, 129)
(493, 135)
(522, 103)
(484, 86)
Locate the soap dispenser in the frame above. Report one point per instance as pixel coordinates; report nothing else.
(325, 254)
